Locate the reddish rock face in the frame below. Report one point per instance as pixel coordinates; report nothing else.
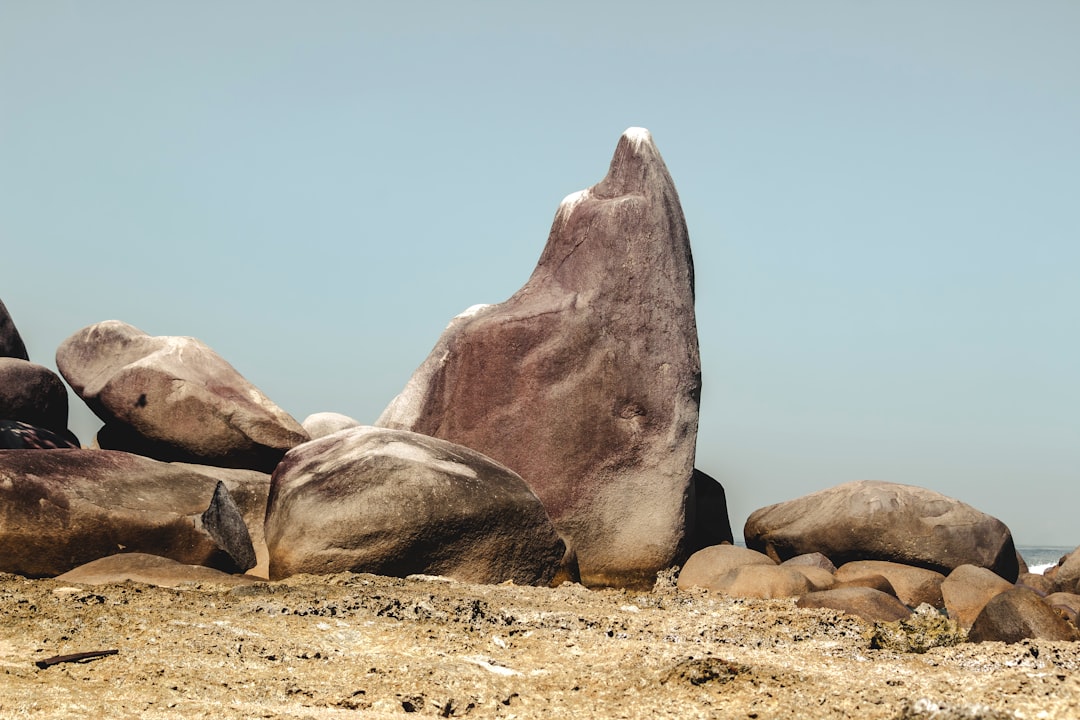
(586, 382)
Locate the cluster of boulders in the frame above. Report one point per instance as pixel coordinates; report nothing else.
(882, 550)
(547, 438)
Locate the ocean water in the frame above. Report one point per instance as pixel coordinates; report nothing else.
(1039, 559)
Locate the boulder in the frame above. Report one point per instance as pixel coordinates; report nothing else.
(322, 424)
(151, 570)
(914, 586)
(1066, 576)
(587, 381)
(15, 435)
(874, 582)
(814, 559)
(709, 513)
(758, 581)
(392, 502)
(967, 590)
(869, 604)
(11, 343)
(32, 394)
(1067, 605)
(871, 520)
(174, 399)
(819, 578)
(1019, 614)
(64, 508)
(706, 566)
(923, 630)
(1041, 584)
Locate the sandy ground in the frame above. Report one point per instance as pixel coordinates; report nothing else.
(360, 646)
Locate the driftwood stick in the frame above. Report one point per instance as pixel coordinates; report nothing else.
(74, 657)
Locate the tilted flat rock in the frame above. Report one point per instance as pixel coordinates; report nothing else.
(63, 508)
(586, 382)
(392, 502)
(149, 569)
(32, 394)
(872, 520)
(174, 399)
(11, 343)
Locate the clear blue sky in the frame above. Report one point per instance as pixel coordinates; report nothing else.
(882, 200)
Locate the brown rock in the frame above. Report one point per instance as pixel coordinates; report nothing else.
(149, 569)
(709, 513)
(32, 394)
(586, 382)
(174, 399)
(63, 508)
(706, 566)
(871, 520)
(759, 581)
(874, 582)
(391, 502)
(1066, 576)
(869, 604)
(1019, 614)
(1067, 605)
(1041, 584)
(914, 586)
(815, 559)
(819, 578)
(966, 591)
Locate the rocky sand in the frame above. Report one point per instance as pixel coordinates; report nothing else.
(364, 646)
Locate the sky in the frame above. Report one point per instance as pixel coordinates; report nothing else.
(882, 201)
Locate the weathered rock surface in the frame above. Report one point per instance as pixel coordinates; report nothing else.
(1019, 614)
(586, 382)
(1067, 574)
(397, 503)
(967, 590)
(760, 581)
(149, 569)
(867, 603)
(871, 520)
(11, 343)
(921, 631)
(814, 559)
(174, 399)
(64, 508)
(32, 394)
(708, 565)
(1067, 605)
(914, 586)
(321, 424)
(819, 578)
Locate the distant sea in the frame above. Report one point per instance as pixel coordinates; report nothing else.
(1039, 559)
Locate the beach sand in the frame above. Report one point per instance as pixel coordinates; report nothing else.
(361, 646)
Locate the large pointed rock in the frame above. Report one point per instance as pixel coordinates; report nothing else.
(11, 343)
(872, 520)
(64, 508)
(392, 502)
(174, 399)
(586, 382)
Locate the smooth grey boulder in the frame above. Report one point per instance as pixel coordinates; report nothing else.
(151, 570)
(872, 520)
(11, 343)
(64, 508)
(174, 399)
(587, 381)
(392, 502)
(913, 585)
(322, 424)
(869, 604)
(32, 394)
(1019, 614)
(966, 591)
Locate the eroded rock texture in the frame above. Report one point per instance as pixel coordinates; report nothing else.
(586, 382)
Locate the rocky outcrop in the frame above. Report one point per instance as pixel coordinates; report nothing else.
(586, 382)
(1019, 614)
(11, 343)
(174, 399)
(392, 502)
(64, 508)
(870, 520)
